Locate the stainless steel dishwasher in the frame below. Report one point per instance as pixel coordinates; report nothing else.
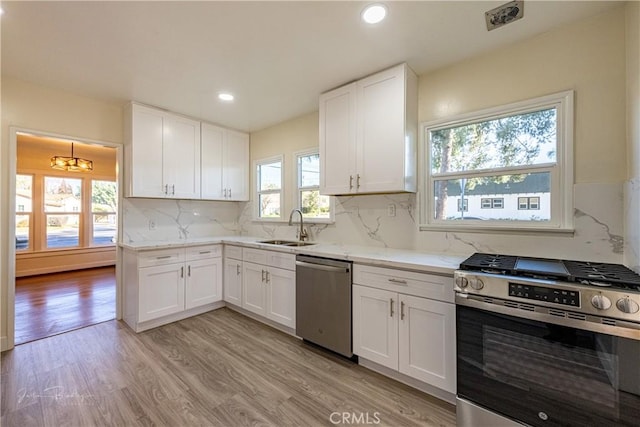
(323, 302)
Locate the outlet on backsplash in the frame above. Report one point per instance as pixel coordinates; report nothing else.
(152, 224)
(391, 209)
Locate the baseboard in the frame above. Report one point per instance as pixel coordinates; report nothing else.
(412, 382)
(150, 324)
(269, 322)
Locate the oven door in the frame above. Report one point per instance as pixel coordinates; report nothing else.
(544, 371)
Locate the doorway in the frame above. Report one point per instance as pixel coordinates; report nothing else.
(65, 223)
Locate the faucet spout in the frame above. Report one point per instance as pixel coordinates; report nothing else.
(302, 233)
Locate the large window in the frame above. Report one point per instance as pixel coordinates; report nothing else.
(313, 205)
(484, 167)
(64, 212)
(269, 188)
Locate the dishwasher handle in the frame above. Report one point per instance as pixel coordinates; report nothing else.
(322, 267)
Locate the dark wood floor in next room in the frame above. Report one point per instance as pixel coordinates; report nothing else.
(220, 368)
(49, 304)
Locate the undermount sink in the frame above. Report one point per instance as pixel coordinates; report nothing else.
(286, 242)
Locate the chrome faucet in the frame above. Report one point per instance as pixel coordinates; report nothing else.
(302, 234)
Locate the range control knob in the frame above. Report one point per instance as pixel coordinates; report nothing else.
(627, 305)
(476, 284)
(462, 281)
(601, 302)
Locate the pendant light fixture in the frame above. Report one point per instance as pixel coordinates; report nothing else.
(72, 164)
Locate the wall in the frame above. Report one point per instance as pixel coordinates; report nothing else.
(588, 57)
(632, 186)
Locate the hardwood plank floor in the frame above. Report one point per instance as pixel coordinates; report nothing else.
(217, 369)
(49, 304)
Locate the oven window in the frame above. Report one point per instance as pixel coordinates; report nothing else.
(544, 374)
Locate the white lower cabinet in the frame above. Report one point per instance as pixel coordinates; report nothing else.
(233, 274)
(162, 286)
(412, 335)
(269, 285)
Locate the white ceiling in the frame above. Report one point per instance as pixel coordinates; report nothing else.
(276, 57)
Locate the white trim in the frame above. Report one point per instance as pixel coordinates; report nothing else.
(296, 196)
(561, 172)
(256, 187)
(11, 237)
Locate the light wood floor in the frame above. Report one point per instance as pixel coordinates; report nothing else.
(49, 304)
(219, 368)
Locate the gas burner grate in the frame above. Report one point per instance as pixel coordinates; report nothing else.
(502, 264)
(602, 274)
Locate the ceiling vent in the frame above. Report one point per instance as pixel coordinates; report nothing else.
(502, 15)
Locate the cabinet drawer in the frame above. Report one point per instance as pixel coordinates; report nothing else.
(233, 252)
(407, 282)
(256, 256)
(160, 257)
(282, 260)
(203, 252)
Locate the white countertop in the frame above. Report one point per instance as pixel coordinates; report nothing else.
(384, 257)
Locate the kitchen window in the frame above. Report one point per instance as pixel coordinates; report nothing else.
(313, 205)
(522, 153)
(269, 173)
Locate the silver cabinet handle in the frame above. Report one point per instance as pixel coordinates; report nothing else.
(163, 257)
(401, 310)
(204, 252)
(263, 275)
(268, 277)
(350, 182)
(399, 281)
(166, 189)
(357, 181)
(181, 271)
(229, 193)
(189, 271)
(173, 190)
(237, 269)
(391, 308)
(224, 193)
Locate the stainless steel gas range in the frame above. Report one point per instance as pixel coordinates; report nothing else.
(546, 342)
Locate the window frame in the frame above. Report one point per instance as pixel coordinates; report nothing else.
(258, 192)
(92, 213)
(299, 189)
(561, 172)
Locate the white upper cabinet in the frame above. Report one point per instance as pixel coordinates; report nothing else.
(368, 133)
(225, 164)
(162, 155)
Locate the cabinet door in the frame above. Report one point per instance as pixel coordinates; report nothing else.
(161, 291)
(381, 131)
(254, 288)
(375, 325)
(204, 282)
(144, 168)
(338, 141)
(427, 341)
(181, 157)
(233, 281)
(236, 166)
(281, 296)
(212, 141)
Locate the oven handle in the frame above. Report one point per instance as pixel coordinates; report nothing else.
(622, 328)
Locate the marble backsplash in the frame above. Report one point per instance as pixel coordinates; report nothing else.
(364, 221)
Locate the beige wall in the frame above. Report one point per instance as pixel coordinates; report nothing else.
(633, 87)
(285, 138)
(48, 110)
(588, 57)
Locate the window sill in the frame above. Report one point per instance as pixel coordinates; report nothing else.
(564, 232)
(295, 222)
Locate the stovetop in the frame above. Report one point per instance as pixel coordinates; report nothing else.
(583, 272)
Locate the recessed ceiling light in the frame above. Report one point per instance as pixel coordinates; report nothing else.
(374, 13)
(225, 96)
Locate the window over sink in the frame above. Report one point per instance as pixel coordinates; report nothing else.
(506, 168)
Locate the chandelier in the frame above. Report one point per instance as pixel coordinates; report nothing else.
(72, 164)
